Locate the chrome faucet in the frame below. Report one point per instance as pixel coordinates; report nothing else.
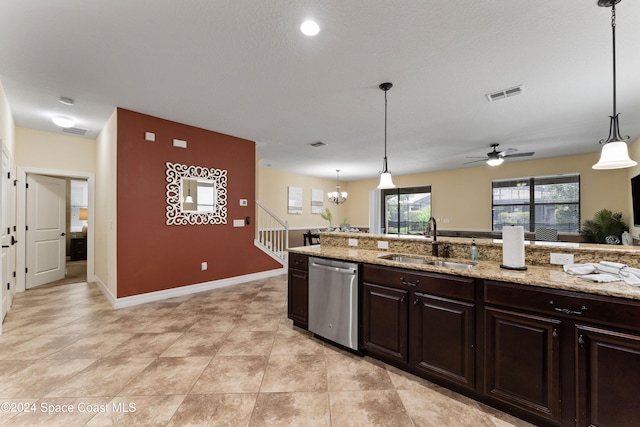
(434, 234)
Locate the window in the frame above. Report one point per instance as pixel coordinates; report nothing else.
(205, 196)
(406, 210)
(79, 198)
(538, 202)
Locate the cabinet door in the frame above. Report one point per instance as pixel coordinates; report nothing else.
(298, 297)
(608, 377)
(522, 357)
(385, 317)
(442, 338)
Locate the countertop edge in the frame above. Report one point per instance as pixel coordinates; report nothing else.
(552, 277)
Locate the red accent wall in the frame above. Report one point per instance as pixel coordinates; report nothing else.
(153, 256)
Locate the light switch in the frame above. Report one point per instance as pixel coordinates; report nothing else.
(149, 136)
(383, 244)
(243, 202)
(238, 222)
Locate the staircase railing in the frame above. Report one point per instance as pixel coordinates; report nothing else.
(272, 234)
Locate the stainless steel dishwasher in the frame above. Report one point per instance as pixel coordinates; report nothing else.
(333, 300)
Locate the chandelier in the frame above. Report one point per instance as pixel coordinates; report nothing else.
(337, 196)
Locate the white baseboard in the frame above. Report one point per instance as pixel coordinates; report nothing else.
(103, 288)
(184, 290)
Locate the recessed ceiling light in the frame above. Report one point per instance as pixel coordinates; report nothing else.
(63, 122)
(66, 100)
(309, 28)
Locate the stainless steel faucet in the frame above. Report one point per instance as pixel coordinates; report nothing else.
(434, 235)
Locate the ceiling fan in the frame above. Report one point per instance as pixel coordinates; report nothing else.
(495, 157)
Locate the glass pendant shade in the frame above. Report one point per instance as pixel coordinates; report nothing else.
(386, 181)
(188, 199)
(614, 155)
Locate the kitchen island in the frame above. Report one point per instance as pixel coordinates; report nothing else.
(540, 344)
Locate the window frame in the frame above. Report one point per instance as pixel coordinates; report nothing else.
(400, 191)
(531, 203)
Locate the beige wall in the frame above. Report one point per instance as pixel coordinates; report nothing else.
(48, 150)
(464, 195)
(105, 212)
(272, 192)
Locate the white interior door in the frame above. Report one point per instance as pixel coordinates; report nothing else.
(7, 220)
(46, 221)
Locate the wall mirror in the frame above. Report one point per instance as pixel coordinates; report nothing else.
(196, 195)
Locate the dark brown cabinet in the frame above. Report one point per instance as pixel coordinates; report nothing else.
(552, 357)
(385, 317)
(442, 340)
(608, 377)
(298, 290)
(422, 322)
(567, 357)
(522, 361)
(78, 249)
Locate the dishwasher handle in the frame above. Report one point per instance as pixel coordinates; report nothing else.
(334, 269)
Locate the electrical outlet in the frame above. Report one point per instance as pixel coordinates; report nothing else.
(353, 242)
(203, 266)
(561, 259)
(383, 244)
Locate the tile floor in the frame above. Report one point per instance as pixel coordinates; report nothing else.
(227, 357)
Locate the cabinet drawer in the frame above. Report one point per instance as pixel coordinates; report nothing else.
(608, 310)
(299, 262)
(462, 288)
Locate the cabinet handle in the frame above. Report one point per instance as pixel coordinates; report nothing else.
(403, 299)
(406, 283)
(298, 261)
(581, 341)
(555, 333)
(416, 301)
(566, 310)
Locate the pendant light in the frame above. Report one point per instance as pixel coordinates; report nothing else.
(615, 153)
(385, 177)
(337, 196)
(188, 199)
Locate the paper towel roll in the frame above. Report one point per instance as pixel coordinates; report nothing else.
(513, 247)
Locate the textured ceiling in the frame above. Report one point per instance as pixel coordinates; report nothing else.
(242, 67)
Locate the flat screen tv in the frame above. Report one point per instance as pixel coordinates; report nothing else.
(635, 197)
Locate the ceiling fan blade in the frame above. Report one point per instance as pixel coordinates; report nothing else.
(476, 161)
(531, 153)
(507, 151)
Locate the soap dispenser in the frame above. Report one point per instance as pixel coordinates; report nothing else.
(473, 251)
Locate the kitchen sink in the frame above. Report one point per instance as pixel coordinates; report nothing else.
(448, 264)
(415, 260)
(401, 258)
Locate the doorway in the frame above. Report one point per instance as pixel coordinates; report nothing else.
(23, 173)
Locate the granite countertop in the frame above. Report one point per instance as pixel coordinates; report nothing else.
(550, 276)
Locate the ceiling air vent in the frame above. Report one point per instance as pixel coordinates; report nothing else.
(317, 144)
(506, 93)
(75, 131)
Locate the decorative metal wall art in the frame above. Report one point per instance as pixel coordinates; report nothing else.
(177, 214)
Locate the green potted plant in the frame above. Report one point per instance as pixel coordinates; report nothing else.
(605, 227)
(326, 215)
